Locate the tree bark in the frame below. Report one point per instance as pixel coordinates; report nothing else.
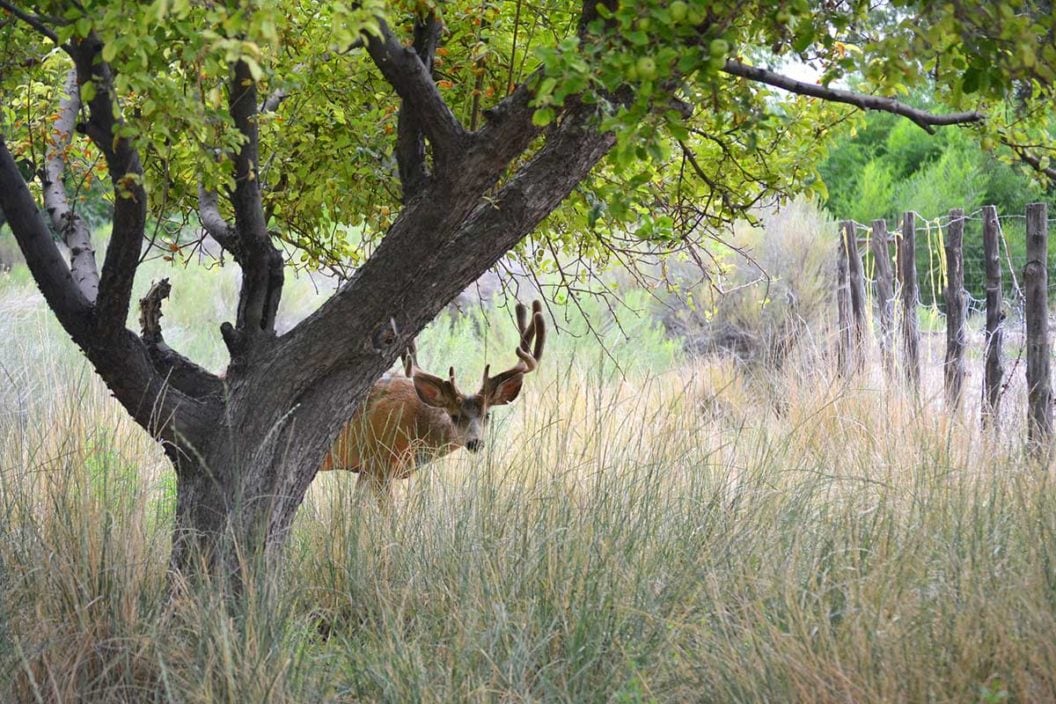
(64, 218)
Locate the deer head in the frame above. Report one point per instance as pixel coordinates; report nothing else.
(468, 414)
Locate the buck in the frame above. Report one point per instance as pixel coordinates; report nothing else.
(408, 421)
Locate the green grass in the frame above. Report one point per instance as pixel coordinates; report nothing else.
(681, 533)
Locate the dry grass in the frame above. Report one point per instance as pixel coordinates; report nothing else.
(696, 534)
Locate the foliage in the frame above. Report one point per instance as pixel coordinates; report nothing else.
(883, 168)
(333, 132)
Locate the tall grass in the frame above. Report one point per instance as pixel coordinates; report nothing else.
(685, 533)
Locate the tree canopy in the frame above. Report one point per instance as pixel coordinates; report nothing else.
(693, 136)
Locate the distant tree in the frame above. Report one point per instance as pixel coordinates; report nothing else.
(417, 143)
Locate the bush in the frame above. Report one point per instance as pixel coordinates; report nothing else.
(774, 286)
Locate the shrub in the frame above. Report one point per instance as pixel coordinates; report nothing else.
(773, 286)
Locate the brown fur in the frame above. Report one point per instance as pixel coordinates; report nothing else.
(395, 433)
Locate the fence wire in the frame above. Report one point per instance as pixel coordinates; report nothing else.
(933, 267)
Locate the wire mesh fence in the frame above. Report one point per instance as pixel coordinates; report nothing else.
(928, 290)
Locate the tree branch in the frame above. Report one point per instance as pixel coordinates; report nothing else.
(410, 139)
(1034, 162)
(45, 262)
(214, 223)
(261, 262)
(179, 371)
(438, 242)
(539, 187)
(34, 21)
(126, 174)
(64, 219)
(150, 312)
(413, 81)
(120, 357)
(926, 120)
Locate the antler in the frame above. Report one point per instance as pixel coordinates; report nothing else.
(528, 361)
(412, 370)
(410, 358)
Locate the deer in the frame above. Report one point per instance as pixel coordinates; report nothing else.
(408, 421)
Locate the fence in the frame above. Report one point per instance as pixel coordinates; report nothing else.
(896, 285)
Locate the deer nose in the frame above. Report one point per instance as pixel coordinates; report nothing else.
(474, 445)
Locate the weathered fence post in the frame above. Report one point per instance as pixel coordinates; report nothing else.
(994, 316)
(843, 309)
(1035, 290)
(856, 283)
(953, 367)
(907, 279)
(885, 292)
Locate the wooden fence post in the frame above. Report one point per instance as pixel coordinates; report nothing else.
(843, 310)
(953, 367)
(994, 317)
(885, 292)
(1035, 290)
(856, 283)
(907, 279)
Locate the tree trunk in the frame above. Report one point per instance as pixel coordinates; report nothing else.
(239, 489)
(237, 494)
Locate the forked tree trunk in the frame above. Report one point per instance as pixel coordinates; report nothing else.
(241, 482)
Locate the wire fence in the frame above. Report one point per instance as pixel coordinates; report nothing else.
(933, 267)
(1018, 244)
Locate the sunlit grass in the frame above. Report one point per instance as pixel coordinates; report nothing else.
(699, 532)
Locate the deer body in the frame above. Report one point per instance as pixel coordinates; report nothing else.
(393, 434)
(408, 421)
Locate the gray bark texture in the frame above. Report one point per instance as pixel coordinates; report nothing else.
(953, 367)
(885, 293)
(995, 317)
(907, 279)
(1039, 352)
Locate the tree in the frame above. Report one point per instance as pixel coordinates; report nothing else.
(273, 122)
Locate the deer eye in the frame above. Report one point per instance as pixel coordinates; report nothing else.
(456, 418)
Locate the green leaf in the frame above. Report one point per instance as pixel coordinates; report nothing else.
(543, 117)
(109, 51)
(804, 38)
(87, 92)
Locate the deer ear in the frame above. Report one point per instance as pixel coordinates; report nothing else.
(431, 392)
(507, 391)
